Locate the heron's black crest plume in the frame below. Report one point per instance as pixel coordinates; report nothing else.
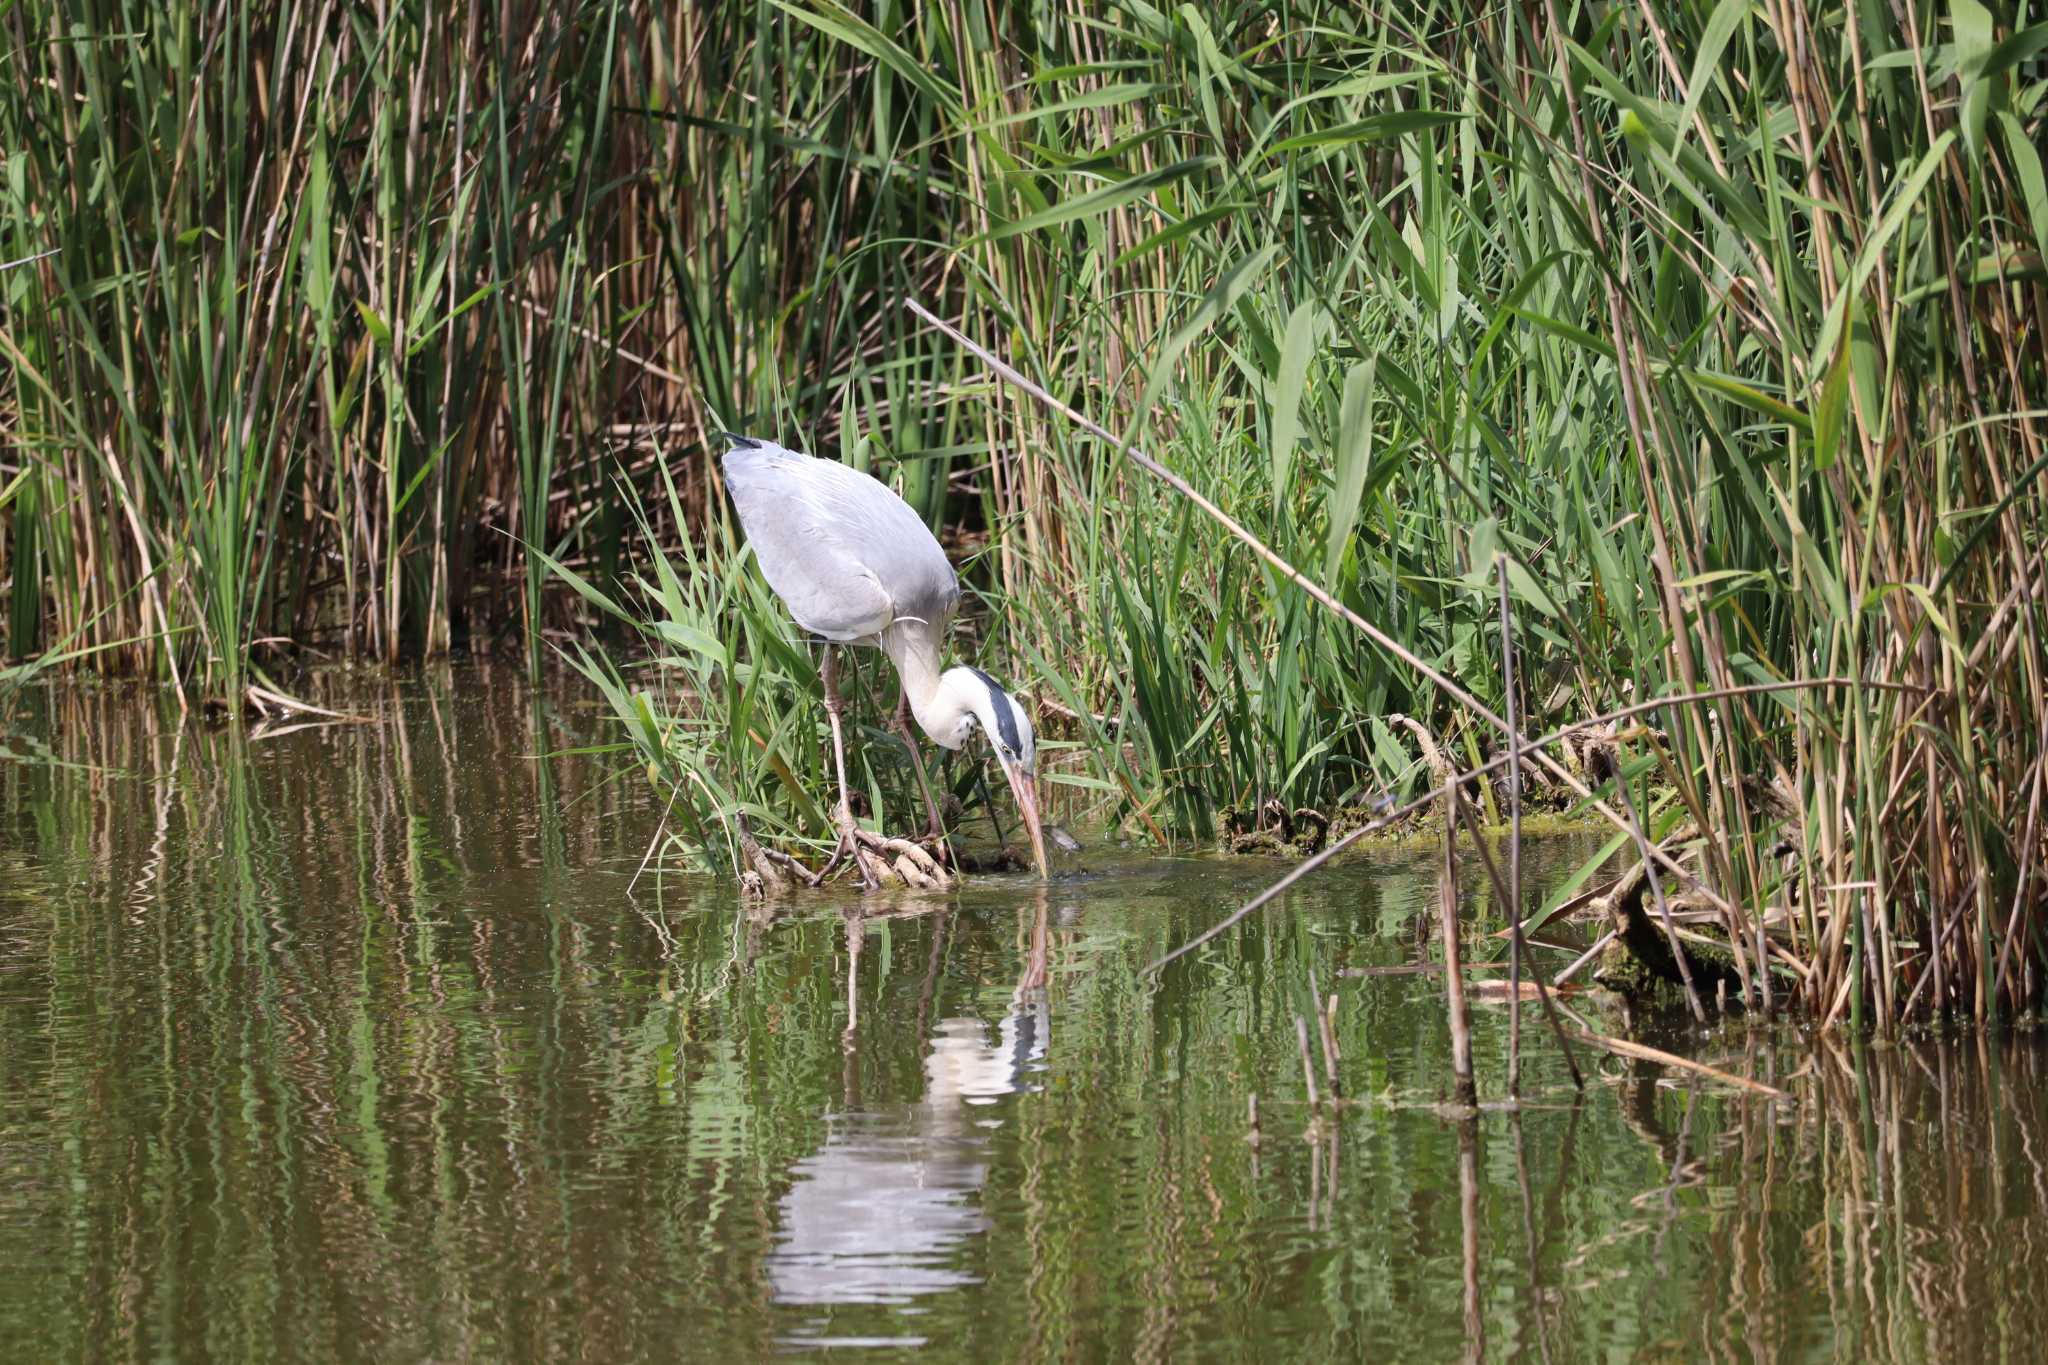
(1006, 721)
(741, 442)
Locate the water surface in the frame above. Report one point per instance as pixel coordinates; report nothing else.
(353, 1043)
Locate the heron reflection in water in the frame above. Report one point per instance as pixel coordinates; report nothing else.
(877, 1214)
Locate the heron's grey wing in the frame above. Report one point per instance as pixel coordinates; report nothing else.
(845, 554)
(828, 590)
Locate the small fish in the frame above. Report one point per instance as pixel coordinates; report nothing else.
(1061, 840)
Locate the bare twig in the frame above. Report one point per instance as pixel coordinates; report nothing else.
(1454, 978)
(1622, 1047)
(1579, 963)
(1308, 1069)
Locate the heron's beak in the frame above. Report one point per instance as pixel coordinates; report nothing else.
(1025, 788)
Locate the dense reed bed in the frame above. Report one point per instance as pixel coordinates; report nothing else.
(1714, 330)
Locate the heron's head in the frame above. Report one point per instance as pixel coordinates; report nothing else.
(984, 705)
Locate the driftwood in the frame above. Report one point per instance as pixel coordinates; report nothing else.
(1641, 961)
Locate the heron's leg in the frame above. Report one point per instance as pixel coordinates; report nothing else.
(936, 827)
(833, 707)
(872, 868)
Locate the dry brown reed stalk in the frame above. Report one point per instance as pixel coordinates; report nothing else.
(1308, 1068)
(1518, 950)
(1449, 924)
(1625, 1047)
(1895, 805)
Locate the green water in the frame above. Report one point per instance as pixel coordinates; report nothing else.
(353, 1043)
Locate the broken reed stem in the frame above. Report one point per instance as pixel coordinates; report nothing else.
(1579, 962)
(1465, 1092)
(1514, 896)
(1308, 1068)
(1329, 1036)
(1623, 1047)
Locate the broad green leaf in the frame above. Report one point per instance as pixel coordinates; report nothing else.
(1173, 232)
(1935, 615)
(1829, 418)
(1903, 201)
(1286, 393)
(379, 330)
(1481, 547)
(1749, 396)
(1098, 201)
(1106, 97)
(1354, 457)
(838, 22)
(1081, 780)
(2026, 163)
(1578, 336)
(2022, 46)
(1377, 128)
(1720, 28)
(1973, 27)
(1523, 584)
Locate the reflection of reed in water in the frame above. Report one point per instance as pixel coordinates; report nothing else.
(875, 1214)
(1896, 1214)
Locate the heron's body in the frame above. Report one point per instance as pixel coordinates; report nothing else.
(851, 560)
(856, 565)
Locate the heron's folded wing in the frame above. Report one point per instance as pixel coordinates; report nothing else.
(845, 554)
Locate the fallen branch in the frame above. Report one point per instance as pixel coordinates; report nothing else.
(1622, 1047)
(1579, 962)
(267, 702)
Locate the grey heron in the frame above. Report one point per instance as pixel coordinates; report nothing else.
(855, 565)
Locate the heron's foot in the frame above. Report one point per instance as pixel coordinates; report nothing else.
(883, 861)
(917, 867)
(935, 842)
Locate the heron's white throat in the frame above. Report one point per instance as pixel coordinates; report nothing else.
(952, 705)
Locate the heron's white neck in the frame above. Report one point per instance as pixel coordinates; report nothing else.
(942, 709)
